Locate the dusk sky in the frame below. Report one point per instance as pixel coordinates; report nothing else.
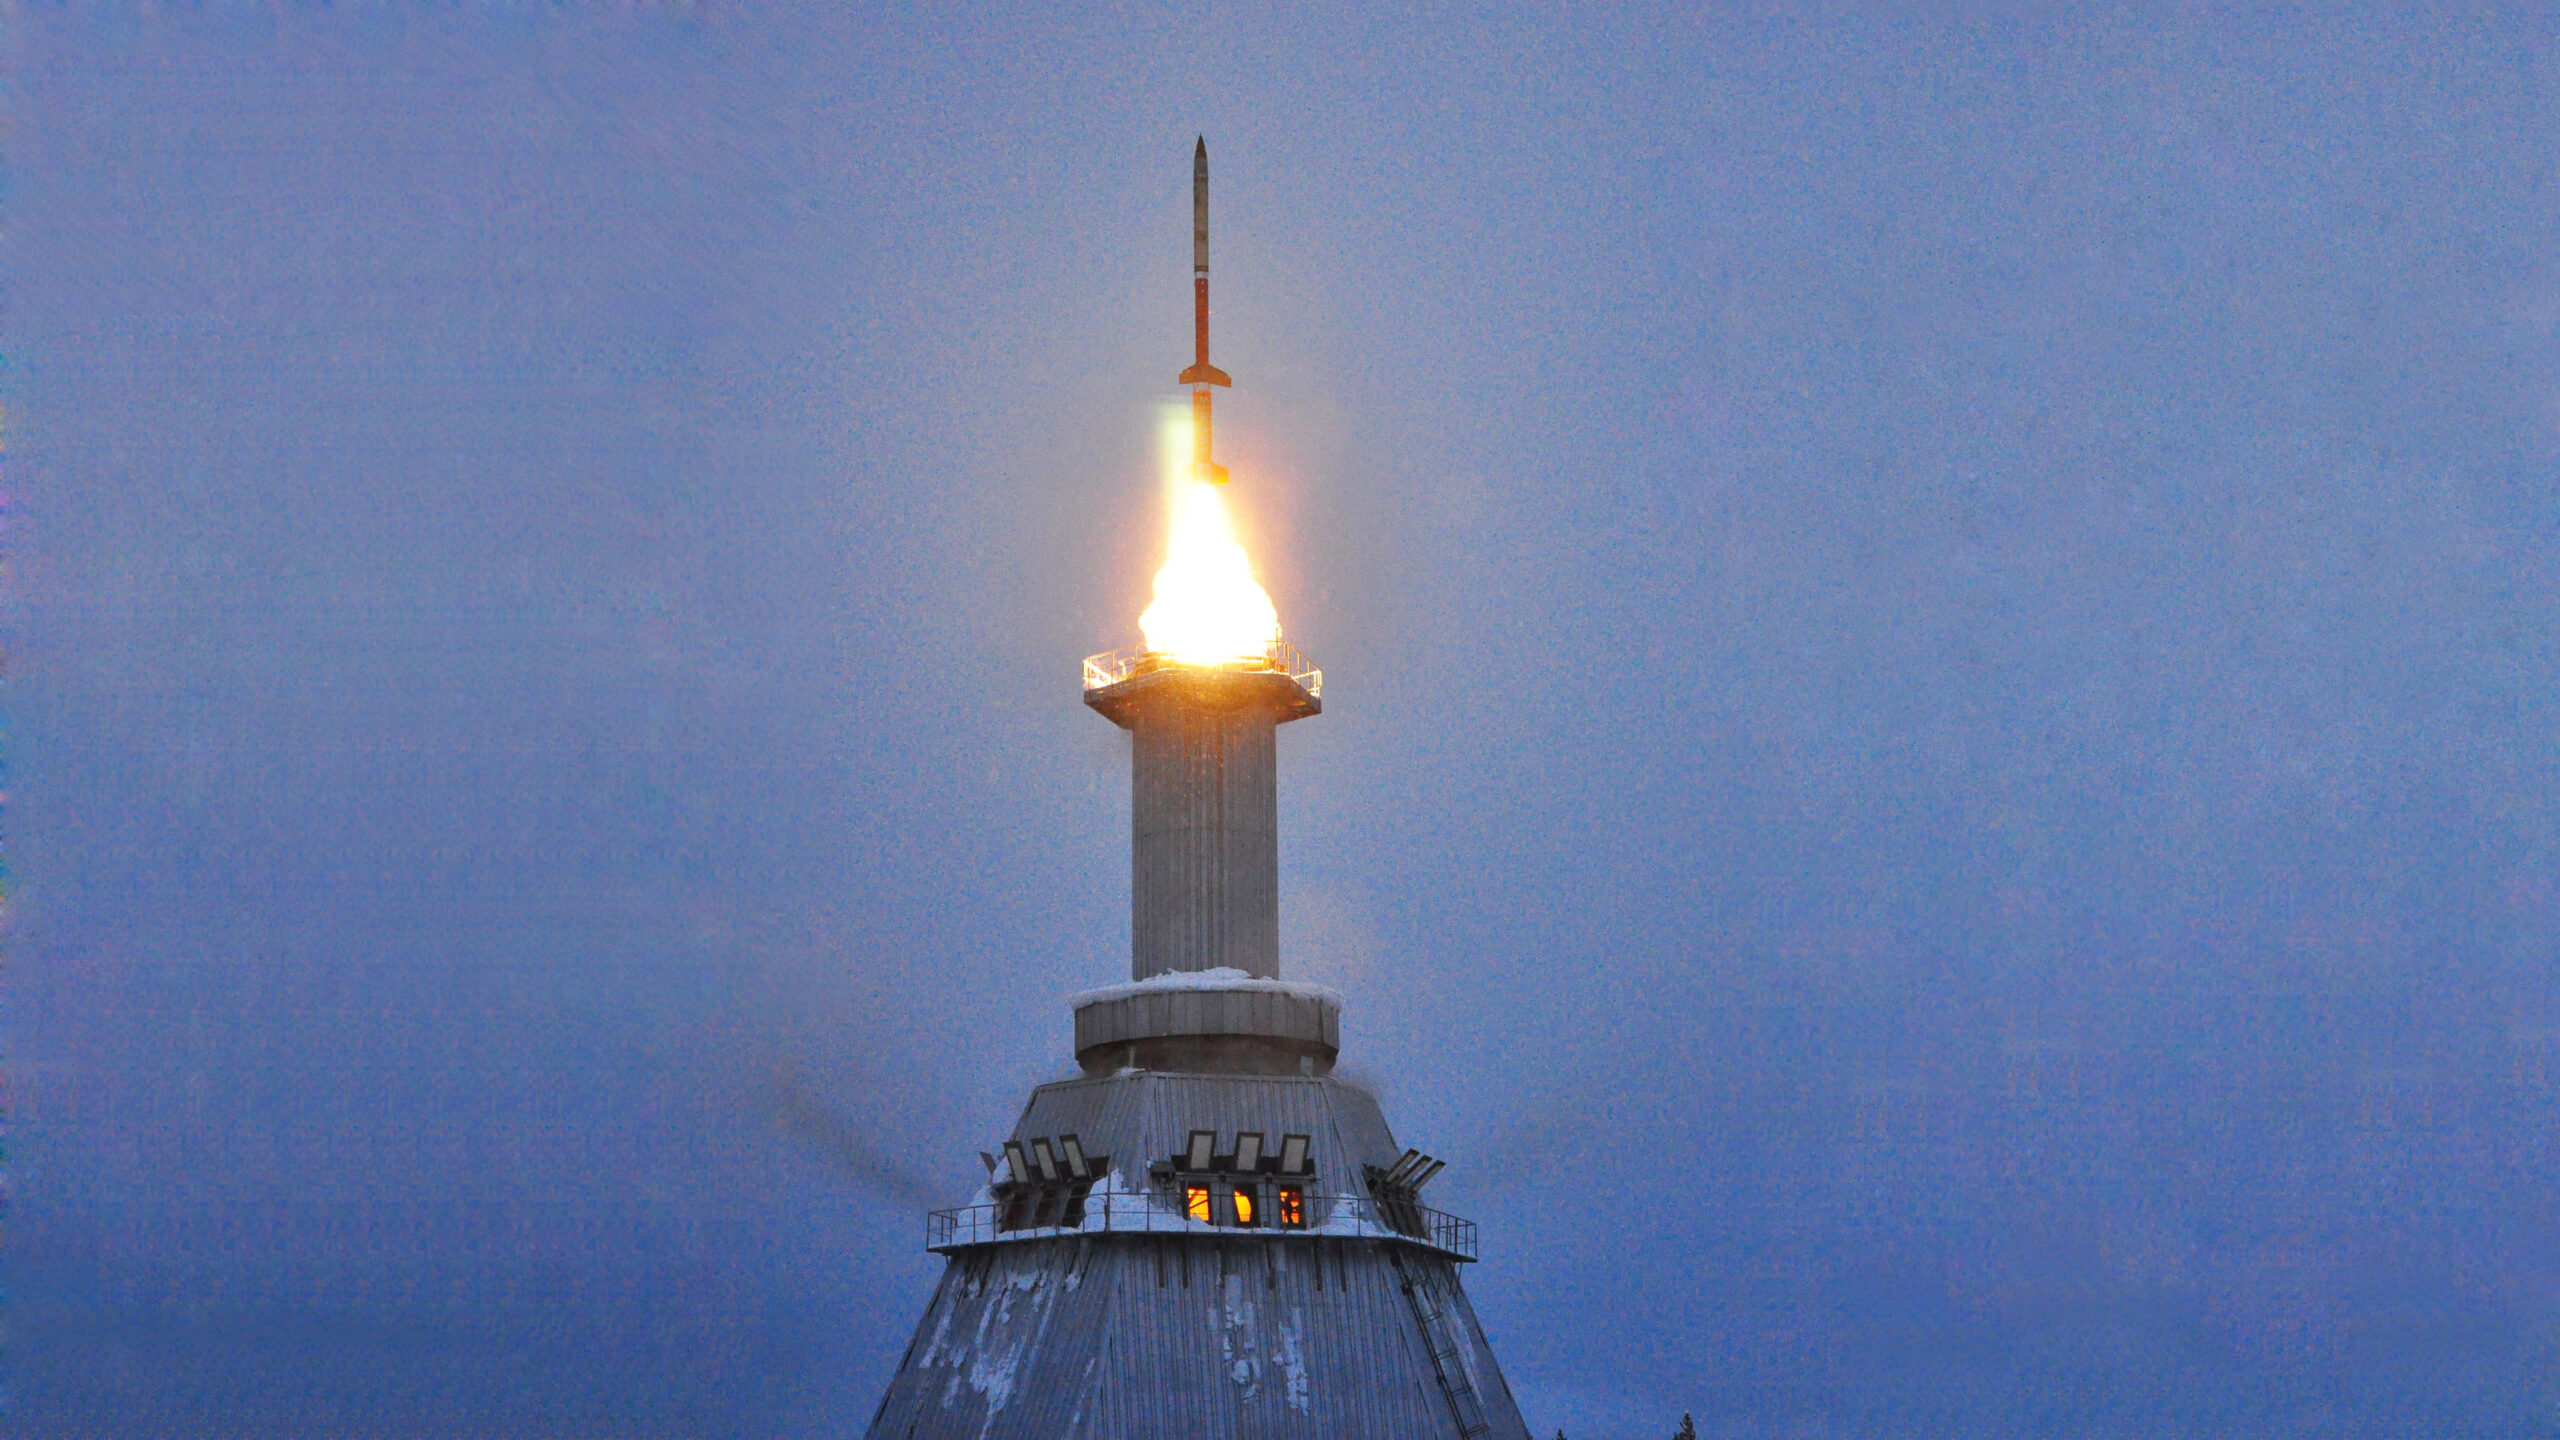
(1942, 689)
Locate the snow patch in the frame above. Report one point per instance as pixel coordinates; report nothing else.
(1233, 1316)
(1223, 977)
(1291, 1357)
(991, 1360)
(995, 1381)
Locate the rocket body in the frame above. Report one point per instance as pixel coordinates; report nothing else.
(1202, 374)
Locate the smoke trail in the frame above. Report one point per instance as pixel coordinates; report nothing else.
(837, 1139)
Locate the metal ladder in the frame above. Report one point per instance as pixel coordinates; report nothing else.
(1442, 1337)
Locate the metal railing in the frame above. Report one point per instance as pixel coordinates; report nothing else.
(1445, 1231)
(1128, 662)
(1339, 1216)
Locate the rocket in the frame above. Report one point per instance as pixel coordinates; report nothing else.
(1202, 374)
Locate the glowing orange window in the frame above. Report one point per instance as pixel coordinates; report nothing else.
(1292, 1208)
(1195, 1202)
(1244, 1206)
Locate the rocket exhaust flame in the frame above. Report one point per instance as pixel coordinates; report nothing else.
(1208, 607)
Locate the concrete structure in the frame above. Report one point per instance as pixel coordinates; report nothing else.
(1227, 1023)
(1207, 1237)
(1204, 811)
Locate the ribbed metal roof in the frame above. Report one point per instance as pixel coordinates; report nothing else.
(1201, 1337)
(1132, 1337)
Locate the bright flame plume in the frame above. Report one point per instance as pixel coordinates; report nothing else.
(1208, 607)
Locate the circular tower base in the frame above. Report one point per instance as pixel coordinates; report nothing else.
(1218, 1022)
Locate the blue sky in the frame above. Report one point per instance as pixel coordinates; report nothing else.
(1937, 780)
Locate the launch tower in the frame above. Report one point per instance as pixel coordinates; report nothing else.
(1208, 1236)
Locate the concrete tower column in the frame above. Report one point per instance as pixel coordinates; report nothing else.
(1204, 857)
(1204, 876)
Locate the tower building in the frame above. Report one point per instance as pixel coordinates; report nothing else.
(1207, 1235)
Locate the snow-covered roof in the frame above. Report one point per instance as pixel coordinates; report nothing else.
(1224, 977)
